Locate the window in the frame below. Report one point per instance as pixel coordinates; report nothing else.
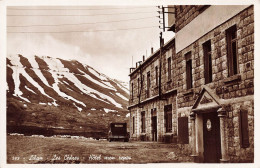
(138, 86)
(142, 82)
(148, 84)
(169, 68)
(133, 125)
(244, 138)
(168, 117)
(143, 121)
(183, 130)
(156, 75)
(231, 36)
(207, 62)
(132, 94)
(188, 70)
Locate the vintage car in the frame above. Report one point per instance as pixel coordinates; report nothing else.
(117, 132)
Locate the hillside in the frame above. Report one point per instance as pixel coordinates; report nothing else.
(56, 94)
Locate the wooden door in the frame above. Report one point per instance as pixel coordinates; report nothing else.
(211, 138)
(154, 128)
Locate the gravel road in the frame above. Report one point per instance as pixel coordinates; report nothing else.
(24, 149)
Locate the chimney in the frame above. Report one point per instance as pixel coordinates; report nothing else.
(143, 58)
(139, 63)
(151, 50)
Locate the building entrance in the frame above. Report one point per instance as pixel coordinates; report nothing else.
(211, 137)
(154, 125)
(154, 128)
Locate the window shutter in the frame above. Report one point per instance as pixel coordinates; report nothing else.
(244, 137)
(133, 125)
(231, 50)
(183, 132)
(207, 62)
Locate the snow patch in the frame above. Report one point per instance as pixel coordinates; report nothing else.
(19, 69)
(38, 72)
(128, 115)
(96, 81)
(88, 90)
(55, 104)
(94, 96)
(40, 75)
(109, 110)
(94, 72)
(79, 109)
(29, 89)
(123, 97)
(62, 94)
(25, 99)
(57, 127)
(124, 88)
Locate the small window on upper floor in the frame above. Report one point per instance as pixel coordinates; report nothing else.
(138, 86)
(207, 62)
(169, 68)
(148, 83)
(142, 82)
(132, 92)
(188, 70)
(232, 60)
(156, 75)
(148, 80)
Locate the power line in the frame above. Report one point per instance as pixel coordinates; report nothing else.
(82, 8)
(87, 15)
(136, 28)
(85, 23)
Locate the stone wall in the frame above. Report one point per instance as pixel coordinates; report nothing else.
(149, 66)
(236, 91)
(185, 14)
(235, 151)
(225, 86)
(147, 107)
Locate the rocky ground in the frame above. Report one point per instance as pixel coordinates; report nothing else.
(25, 149)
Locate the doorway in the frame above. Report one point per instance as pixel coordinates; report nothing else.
(154, 124)
(211, 137)
(154, 128)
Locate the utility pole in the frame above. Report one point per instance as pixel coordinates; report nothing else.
(163, 19)
(160, 65)
(162, 11)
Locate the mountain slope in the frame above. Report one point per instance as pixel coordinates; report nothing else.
(56, 93)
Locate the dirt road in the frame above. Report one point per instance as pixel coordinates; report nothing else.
(23, 149)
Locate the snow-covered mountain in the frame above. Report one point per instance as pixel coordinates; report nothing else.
(61, 93)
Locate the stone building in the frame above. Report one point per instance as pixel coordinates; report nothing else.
(198, 90)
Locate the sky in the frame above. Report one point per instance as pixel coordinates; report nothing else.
(108, 38)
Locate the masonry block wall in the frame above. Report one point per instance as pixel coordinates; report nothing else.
(236, 90)
(186, 13)
(146, 103)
